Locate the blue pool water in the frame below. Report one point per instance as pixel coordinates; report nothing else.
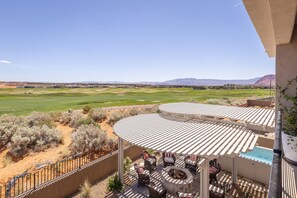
(259, 154)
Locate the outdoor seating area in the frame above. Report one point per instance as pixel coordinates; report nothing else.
(189, 139)
(154, 187)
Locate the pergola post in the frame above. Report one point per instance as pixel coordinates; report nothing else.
(234, 170)
(121, 159)
(204, 179)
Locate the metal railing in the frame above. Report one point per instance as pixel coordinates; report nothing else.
(44, 172)
(275, 183)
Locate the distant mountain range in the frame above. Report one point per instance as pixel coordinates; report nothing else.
(260, 81)
(208, 82)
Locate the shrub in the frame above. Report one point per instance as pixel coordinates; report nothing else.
(133, 112)
(86, 109)
(8, 127)
(75, 119)
(33, 138)
(40, 119)
(127, 164)
(114, 183)
(85, 189)
(150, 109)
(65, 118)
(78, 119)
(56, 116)
(97, 114)
(88, 138)
(116, 116)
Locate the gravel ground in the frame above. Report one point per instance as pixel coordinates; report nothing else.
(99, 189)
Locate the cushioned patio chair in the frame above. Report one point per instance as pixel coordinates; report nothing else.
(187, 195)
(150, 161)
(214, 169)
(191, 162)
(143, 175)
(168, 159)
(219, 191)
(156, 191)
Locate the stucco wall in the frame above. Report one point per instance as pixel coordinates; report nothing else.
(286, 66)
(94, 171)
(253, 170)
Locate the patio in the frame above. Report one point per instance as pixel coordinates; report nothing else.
(244, 187)
(189, 129)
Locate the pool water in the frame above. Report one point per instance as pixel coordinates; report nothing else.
(259, 154)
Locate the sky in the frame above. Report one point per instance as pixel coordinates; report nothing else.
(128, 40)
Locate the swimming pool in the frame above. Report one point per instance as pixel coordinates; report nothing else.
(260, 154)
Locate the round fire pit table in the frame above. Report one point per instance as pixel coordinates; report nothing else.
(176, 179)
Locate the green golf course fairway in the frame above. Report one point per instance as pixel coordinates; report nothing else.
(23, 101)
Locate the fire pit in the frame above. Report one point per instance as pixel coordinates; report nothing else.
(177, 174)
(176, 179)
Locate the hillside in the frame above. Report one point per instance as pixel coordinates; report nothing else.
(265, 81)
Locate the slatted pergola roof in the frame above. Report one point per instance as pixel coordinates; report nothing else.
(200, 137)
(253, 118)
(195, 129)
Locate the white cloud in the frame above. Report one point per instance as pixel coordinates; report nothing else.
(5, 61)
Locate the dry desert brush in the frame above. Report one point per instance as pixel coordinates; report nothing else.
(40, 119)
(97, 114)
(8, 127)
(85, 189)
(33, 139)
(78, 119)
(88, 138)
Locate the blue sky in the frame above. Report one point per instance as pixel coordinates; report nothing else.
(128, 40)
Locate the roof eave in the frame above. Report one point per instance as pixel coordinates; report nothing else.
(273, 20)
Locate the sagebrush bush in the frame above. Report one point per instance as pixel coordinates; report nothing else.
(86, 109)
(56, 116)
(40, 119)
(97, 114)
(151, 109)
(33, 138)
(8, 127)
(78, 119)
(75, 119)
(65, 118)
(116, 116)
(133, 112)
(88, 138)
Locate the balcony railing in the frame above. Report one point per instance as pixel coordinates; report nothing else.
(275, 184)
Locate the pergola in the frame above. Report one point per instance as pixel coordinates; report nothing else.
(209, 131)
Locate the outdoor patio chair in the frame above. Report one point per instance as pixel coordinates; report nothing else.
(187, 195)
(168, 159)
(143, 175)
(214, 169)
(219, 191)
(150, 161)
(156, 191)
(191, 162)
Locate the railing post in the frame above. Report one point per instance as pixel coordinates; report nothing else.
(34, 180)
